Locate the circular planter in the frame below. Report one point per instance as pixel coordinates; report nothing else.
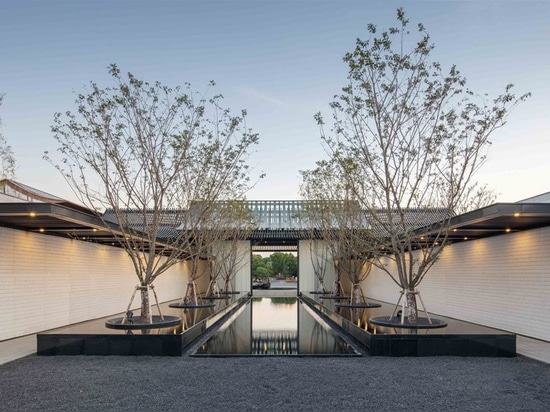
(137, 323)
(220, 296)
(191, 305)
(358, 305)
(395, 322)
(335, 297)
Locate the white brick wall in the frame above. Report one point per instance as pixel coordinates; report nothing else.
(308, 280)
(48, 282)
(501, 282)
(242, 280)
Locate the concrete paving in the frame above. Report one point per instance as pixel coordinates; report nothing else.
(533, 348)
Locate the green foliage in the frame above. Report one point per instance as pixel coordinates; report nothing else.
(407, 135)
(261, 267)
(283, 300)
(152, 145)
(283, 263)
(169, 154)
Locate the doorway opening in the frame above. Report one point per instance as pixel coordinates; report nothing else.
(274, 269)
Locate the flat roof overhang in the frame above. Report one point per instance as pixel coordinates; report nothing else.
(52, 219)
(496, 219)
(60, 220)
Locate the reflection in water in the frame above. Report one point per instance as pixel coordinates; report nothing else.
(274, 343)
(358, 316)
(275, 326)
(274, 314)
(190, 317)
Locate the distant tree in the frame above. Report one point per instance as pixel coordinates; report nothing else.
(410, 137)
(319, 257)
(292, 265)
(319, 249)
(159, 159)
(261, 267)
(284, 263)
(7, 157)
(233, 225)
(229, 260)
(339, 220)
(217, 241)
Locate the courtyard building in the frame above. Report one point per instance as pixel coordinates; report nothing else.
(60, 266)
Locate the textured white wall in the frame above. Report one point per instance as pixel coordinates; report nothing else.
(501, 282)
(308, 251)
(243, 278)
(48, 282)
(306, 278)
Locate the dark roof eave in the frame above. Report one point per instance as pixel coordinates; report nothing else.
(500, 209)
(60, 212)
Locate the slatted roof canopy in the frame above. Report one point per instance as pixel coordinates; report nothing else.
(279, 222)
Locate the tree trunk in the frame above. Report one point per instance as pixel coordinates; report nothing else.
(227, 285)
(324, 288)
(190, 294)
(356, 295)
(412, 315)
(145, 305)
(336, 288)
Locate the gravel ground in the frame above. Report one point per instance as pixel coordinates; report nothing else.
(274, 384)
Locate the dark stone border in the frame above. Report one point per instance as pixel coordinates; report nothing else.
(459, 338)
(98, 340)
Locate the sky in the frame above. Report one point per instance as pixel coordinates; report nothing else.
(279, 60)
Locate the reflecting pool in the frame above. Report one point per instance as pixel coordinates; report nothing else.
(276, 326)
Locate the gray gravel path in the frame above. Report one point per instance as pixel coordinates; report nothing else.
(274, 384)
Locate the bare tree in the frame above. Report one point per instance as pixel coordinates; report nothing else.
(158, 158)
(229, 259)
(332, 210)
(7, 157)
(320, 257)
(409, 139)
(227, 253)
(225, 225)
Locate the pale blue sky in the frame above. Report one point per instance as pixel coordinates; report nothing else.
(280, 60)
